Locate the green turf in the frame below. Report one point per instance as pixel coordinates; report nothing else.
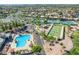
(55, 31)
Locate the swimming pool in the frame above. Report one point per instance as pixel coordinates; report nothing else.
(22, 40)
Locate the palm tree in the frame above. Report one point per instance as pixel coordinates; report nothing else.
(61, 44)
(45, 21)
(50, 38)
(36, 49)
(3, 27)
(6, 26)
(38, 22)
(64, 47)
(13, 23)
(10, 26)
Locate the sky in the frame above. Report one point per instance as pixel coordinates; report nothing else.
(39, 1)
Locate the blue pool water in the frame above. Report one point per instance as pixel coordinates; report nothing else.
(22, 40)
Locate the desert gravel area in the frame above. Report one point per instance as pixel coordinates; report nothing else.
(57, 49)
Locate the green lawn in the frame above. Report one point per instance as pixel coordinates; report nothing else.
(55, 31)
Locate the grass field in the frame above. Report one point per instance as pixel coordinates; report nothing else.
(55, 31)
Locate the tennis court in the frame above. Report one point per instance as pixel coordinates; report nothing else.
(55, 31)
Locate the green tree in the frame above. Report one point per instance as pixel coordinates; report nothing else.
(45, 21)
(3, 27)
(36, 49)
(37, 21)
(50, 38)
(18, 52)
